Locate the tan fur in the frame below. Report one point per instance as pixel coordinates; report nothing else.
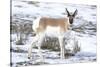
(63, 23)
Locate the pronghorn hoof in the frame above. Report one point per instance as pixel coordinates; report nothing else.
(29, 57)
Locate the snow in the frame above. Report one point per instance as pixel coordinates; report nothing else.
(86, 14)
(88, 44)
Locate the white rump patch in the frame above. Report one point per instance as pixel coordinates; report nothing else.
(36, 23)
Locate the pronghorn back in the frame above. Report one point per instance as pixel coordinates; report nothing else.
(42, 23)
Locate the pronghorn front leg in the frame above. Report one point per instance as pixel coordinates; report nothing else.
(30, 52)
(41, 36)
(31, 46)
(62, 47)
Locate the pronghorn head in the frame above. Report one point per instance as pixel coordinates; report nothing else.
(71, 16)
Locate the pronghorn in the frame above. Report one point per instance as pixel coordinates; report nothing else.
(60, 25)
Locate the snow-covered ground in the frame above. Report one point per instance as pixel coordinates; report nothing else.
(85, 22)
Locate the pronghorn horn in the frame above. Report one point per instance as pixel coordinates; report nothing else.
(75, 12)
(67, 12)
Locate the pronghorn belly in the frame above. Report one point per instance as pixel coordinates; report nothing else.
(53, 31)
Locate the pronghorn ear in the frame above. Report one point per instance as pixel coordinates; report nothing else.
(75, 13)
(68, 14)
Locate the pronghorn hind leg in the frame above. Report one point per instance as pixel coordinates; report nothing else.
(62, 47)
